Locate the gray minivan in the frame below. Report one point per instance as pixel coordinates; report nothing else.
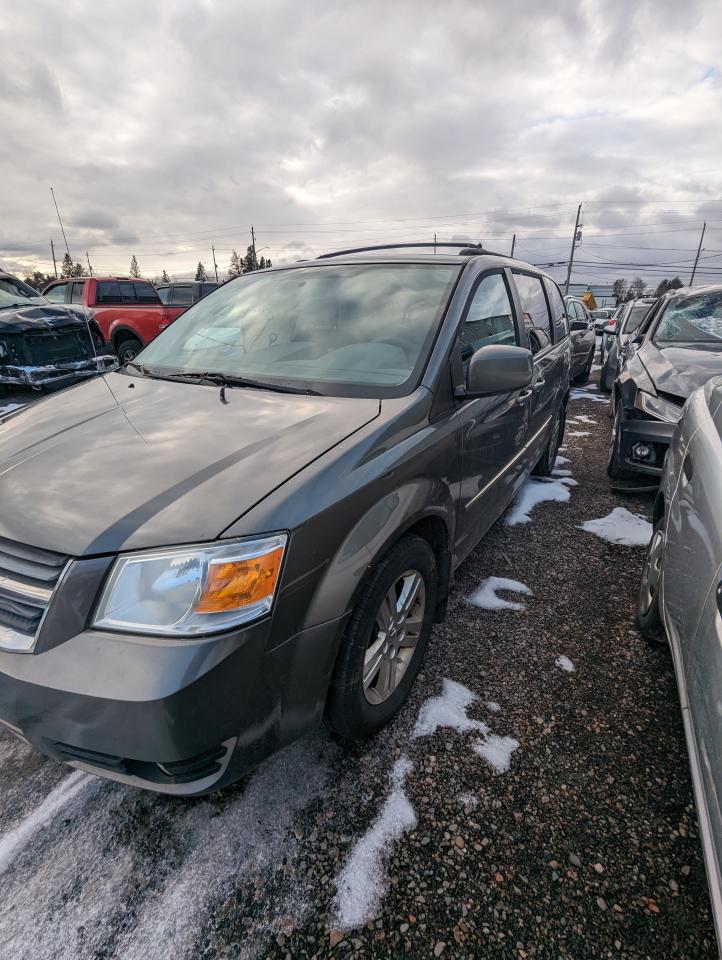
(253, 525)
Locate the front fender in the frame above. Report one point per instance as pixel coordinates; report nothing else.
(373, 535)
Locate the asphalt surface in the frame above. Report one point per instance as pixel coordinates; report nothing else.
(587, 846)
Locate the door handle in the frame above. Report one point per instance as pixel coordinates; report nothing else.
(536, 387)
(523, 397)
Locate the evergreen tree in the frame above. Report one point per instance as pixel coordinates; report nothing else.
(78, 270)
(37, 280)
(248, 261)
(134, 268)
(201, 272)
(262, 263)
(268, 263)
(235, 268)
(675, 284)
(67, 268)
(165, 278)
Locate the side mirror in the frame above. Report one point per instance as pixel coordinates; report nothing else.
(611, 331)
(497, 368)
(579, 326)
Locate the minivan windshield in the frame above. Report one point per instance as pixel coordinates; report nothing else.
(348, 329)
(693, 318)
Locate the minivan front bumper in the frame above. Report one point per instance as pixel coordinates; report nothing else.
(180, 717)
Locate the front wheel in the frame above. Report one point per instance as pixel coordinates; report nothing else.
(385, 640)
(616, 468)
(649, 618)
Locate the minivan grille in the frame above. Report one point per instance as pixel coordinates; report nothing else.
(28, 577)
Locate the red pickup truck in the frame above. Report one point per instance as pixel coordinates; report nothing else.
(124, 313)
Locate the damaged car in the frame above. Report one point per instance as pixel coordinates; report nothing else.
(677, 349)
(43, 344)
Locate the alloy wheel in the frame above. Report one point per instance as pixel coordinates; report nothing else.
(394, 637)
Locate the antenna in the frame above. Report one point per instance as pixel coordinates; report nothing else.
(62, 229)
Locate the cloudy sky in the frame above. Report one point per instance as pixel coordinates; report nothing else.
(170, 125)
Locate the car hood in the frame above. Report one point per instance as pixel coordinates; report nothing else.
(38, 318)
(679, 369)
(123, 462)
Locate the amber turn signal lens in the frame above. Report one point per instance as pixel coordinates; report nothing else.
(240, 582)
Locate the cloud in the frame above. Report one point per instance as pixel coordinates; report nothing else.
(326, 126)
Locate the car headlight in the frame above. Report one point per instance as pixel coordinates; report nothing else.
(186, 591)
(657, 407)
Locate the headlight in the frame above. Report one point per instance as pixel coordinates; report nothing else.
(657, 407)
(185, 591)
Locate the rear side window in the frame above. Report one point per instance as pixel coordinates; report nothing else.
(206, 288)
(145, 292)
(489, 317)
(164, 294)
(180, 296)
(108, 291)
(76, 293)
(534, 310)
(57, 294)
(558, 310)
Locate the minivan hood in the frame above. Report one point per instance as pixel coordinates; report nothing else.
(123, 462)
(679, 368)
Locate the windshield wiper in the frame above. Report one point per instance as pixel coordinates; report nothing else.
(225, 381)
(141, 369)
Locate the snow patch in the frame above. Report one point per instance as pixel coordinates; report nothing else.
(578, 433)
(579, 394)
(362, 884)
(583, 418)
(564, 663)
(532, 493)
(497, 751)
(561, 472)
(622, 527)
(448, 710)
(11, 843)
(486, 598)
(468, 800)
(491, 706)
(560, 460)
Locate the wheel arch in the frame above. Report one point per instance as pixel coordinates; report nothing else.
(121, 331)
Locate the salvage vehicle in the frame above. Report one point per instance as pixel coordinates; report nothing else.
(128, 312)
(680, 599)
(256, 520)
(618, 336)
(42, 344)
(182, 293)
(583, 339)
(677, 349)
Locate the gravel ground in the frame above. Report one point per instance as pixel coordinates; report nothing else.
(587, 846)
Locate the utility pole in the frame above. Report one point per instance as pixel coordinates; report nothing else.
(215, 265)
(67, 248)
(696, 259)
(90, 269)
(253, 245)
(55, 265)
(513, 244)
(434, 244)
(571, 252)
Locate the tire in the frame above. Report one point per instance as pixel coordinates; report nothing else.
(545, 465)
(354, 709)
(649, 619)
(603, 379)
(583, 377)
(127, 349)
(615, 465)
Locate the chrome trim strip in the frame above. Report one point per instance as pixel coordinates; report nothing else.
(34, 595)
(13, 642)
(511, 463)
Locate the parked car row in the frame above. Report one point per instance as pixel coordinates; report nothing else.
(314, 450)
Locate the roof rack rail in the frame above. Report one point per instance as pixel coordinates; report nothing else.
(468, 249)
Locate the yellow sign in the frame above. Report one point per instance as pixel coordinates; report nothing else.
(589, 302)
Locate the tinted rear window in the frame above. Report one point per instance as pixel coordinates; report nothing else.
(206, 288)
(108, 291)
(180, 296)
(145, 292)
(126, 291)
